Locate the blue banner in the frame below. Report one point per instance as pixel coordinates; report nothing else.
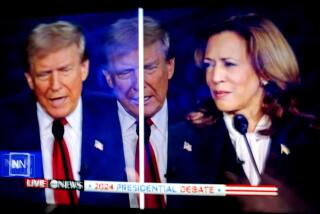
(24, 164)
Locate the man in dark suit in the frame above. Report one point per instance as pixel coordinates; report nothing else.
(122, 76)
(90, 149)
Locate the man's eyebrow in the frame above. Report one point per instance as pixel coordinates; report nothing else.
(122, 71)
(64, 66)
(154, 62)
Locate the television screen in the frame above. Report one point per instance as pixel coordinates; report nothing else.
(226, 122)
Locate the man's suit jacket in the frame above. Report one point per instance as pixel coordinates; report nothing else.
(20, 132)
(181, 166)
(213, 155)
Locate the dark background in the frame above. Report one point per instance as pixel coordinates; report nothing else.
(185, 21)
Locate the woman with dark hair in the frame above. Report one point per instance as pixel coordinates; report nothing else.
(259, 136)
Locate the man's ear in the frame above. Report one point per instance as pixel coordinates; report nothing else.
(29, 80)
(84, 69)
(108, 79)
(170, 66)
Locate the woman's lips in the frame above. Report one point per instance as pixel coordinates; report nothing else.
(220, 94)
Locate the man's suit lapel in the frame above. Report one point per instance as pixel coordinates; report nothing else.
(102, 156)
(177, 138)
(180, 154)
(101, 136)
(181, 165)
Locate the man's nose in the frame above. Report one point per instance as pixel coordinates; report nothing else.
(135, 79)
(55, 81)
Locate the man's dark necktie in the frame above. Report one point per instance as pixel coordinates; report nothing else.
(151, 172)
(61, 165)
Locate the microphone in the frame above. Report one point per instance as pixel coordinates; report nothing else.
(147, 130)
(58, 132)
(240, 123)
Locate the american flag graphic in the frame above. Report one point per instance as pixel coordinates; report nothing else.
(251, 190)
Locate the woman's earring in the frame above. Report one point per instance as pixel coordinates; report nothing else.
(264, 82)
(271, 88)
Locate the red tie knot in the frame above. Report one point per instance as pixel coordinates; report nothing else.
(149, 121)
(64, 121)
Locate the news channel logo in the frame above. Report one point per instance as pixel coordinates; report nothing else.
(20, 164)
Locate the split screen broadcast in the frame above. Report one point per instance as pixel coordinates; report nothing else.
(161, 107)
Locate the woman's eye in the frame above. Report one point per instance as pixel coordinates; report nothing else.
(206, 65)
(229, 64)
